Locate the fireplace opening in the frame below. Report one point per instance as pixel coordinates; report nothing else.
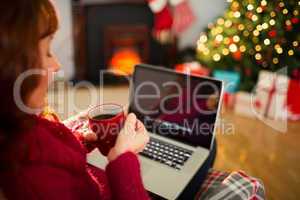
(125, 47)
(124, 60)
(115, 35)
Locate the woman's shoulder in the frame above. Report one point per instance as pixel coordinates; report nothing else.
(50, 143)
(41, 154)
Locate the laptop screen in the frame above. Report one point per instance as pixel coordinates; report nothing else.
(175, 105)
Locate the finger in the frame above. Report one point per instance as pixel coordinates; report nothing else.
(126, 108)
(130, 122)
(90, 136)
(131, 118)
(83, 114)
(143, 138)
(147, 138)
(140, 127)
(143, 146)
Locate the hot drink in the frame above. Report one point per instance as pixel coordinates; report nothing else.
(106, 121)
(104, 116)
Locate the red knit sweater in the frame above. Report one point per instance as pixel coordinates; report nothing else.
(50, 163)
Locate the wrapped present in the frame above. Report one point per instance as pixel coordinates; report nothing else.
(229, 100)
(244, 104)
(271, 95)
(193, 68)
(293, 100)
(163, 20)
(230, 78)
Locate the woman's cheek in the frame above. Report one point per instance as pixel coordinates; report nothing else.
(50, 77)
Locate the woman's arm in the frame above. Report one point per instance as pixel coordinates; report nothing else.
(41, 182)
(123, 170)
(124, 176)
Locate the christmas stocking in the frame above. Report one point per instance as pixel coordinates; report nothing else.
(183, 16)
(163, 17)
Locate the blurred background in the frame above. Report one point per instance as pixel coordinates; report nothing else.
(252, 45)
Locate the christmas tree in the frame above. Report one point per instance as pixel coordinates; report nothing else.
(251, 36)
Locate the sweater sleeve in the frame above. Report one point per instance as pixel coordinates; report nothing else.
(43, 182)
(89, 147)
(125, 179)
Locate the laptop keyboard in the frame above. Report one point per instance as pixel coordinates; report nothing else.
(166, 153)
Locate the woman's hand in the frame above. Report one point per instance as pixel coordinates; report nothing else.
(70, 122)
(79, 126)
(133, 137)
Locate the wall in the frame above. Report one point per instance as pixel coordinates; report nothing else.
(63, 43)
(206, 11)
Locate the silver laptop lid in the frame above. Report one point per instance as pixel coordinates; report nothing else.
(176, 105)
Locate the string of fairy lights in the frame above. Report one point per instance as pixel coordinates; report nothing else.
(250, 28)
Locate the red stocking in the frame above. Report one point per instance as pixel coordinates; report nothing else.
(163, 17)
(183, 16)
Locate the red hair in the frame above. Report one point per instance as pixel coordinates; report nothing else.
(23, 24)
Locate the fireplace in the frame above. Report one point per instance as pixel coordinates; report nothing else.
(125, 46)
(115, 35)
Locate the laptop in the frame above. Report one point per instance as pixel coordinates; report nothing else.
(179, 111)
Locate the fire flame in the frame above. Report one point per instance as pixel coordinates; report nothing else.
(124, 60)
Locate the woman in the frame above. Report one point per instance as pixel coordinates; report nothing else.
(41, 159)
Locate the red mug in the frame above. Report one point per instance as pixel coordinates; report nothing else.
(106, 121)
